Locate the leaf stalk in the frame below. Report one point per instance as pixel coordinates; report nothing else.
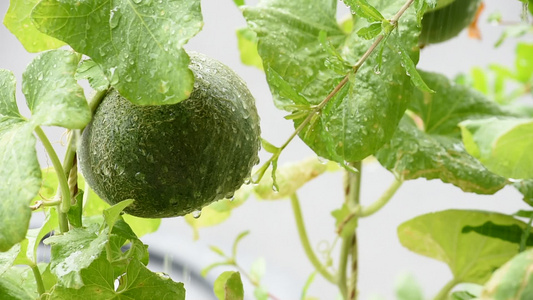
(304, 239)
(63, 190)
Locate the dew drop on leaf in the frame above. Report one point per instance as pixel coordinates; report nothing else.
(196, 214)
(275, 188)
(114, 19)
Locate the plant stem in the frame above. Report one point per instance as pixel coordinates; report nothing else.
(341, 272)
(62, 178)
(382, 201)
(443, 293)
(340, 85)
(304, 239)
(38, 279)
(352, 199)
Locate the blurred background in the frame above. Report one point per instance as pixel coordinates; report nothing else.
(273, 236)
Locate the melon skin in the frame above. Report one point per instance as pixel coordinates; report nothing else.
(447, 22)
(174, 159)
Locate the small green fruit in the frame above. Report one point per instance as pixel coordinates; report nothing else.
(447, 21)
(174, 159)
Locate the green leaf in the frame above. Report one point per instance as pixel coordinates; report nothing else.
(137, 44)
(18, 283)
(207, 269)
(142, 226)
(88, 69)
(74, 251)
(526, 188)
(269, 147)
(462, 295)
(76, 210)
(343, 217)
(365, 10)
(524, 62)
(472, 257)
(370, 32)
(8, 258)
(18, 21)
(52, 94)
(407, 288)
(137, 282)
(20, 173)
(443, 111)
(432, 148)
(258, 270)
(307, 284)
(513, 280)
(228, 286)
(364, 114)
(502, 145)
(28, 253)
(236, 242)
(219, 211)
(112, 214)
(290, 177)
(247, 44)
(239, 2)
(411, 70)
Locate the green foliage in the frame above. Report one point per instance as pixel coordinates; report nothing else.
(513, 280)
(247, 43)
(139, 49)
(18, 21)
(502, 145)
(360, 117)
(228, 286)
(54, 98)
(135, 282)
(427, 144)
(446, 236)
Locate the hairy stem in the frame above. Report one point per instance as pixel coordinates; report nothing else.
(38, 279)
(340, 85)
(64, 190)
(304, 239)
(443, 293)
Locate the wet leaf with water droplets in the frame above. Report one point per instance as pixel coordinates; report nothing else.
(20, 174)
(300, 70)
(142, 40)
(52, 93)
(74, 251)
(428, 143)
(135, 282)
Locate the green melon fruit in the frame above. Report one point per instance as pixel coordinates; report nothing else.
(174, 159)
(447, 22)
